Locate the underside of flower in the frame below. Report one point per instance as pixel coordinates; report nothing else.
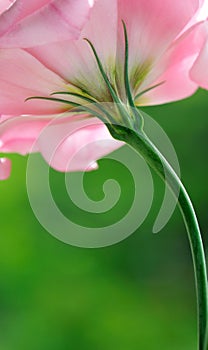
(117, 101)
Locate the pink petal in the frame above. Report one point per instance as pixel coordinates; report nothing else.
(5, 168)
(74, 60)
(152, 25)
(22, 76)
(174, 70)
(18, 134)
(29, 22)
(4, 5)
(198, 72)
(69, 143)
(76, 145)
(202, 14)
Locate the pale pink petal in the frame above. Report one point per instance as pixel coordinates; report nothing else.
(199, 16)
(174, 70)
(22, 76)
(5, 4)
(198, 72)
(76, 145)
(18, 134)
(28, 22)
(153, 25)
(23, 8)
(73, 60)
(5, 168)
(68, 143)
(101, 30)
(202, 14)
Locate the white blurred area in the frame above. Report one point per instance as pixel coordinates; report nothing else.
(203, 12)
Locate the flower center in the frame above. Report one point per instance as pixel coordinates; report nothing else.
(117, 100)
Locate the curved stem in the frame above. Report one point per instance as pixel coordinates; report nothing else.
(140, 142)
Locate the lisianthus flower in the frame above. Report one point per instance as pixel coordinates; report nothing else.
(43, 51)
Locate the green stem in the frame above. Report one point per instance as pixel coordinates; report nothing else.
(140, 142)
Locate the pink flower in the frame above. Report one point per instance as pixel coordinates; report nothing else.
(43, 51)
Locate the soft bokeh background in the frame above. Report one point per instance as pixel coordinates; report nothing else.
(138, 294)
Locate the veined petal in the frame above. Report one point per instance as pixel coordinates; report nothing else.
(200, 15)
(18, 134)
(67, 143)
(198, 72)
(174, 69)
(30, 23)
(22, 76)
(76, 145)
(153, 25)
(74, 60)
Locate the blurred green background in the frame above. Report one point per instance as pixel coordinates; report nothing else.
(138, 294)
